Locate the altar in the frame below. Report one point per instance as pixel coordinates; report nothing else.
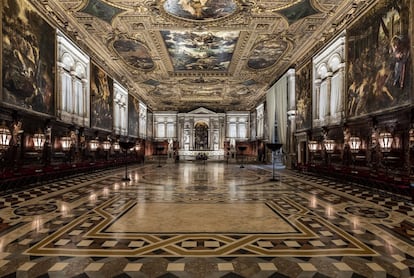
(201, 132)
(210, 155)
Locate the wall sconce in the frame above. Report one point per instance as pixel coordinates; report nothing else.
(355, 144)
(93, 145)
(5, 137)
(106, 145)
(138, 147)
(385, 140)
(313, 146)
(39, 140)
(329, 145)
(66, 143)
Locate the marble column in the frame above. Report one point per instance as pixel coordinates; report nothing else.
(315, 103)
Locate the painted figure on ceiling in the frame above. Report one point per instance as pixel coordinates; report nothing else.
(194, 7)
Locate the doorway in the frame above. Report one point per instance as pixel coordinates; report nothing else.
(302, 158)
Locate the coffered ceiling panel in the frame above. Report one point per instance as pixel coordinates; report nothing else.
(182, 54)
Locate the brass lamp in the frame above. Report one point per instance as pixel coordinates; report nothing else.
(106, 145)
(116, 146)
(385, 140)
(329, 145)
(93, 145)
(39, 140)
(66, 142)
(354, 144)
(5, 137)
(313, 146)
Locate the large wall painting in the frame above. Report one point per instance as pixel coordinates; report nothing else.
(133, 116)
(304, 97)
(379, 74)
(102, 89)
(134, 53)
(200, 10)
(28, 58)
(200, 50)
(266, 53)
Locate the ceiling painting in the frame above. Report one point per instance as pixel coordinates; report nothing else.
(266, 53)
(200, 9)
(101, 10)
(206, 51)
(134, 53)
(177, 55)
(300, 9)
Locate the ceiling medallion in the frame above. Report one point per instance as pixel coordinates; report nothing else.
(200, 10)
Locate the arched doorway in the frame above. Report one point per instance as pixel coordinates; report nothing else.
(201, 136)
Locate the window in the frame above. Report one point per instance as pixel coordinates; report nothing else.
(73, 80)
(328, 84)
(170, 130)
(242, 130)
(232, 130)
(160, 130)
(120, 109)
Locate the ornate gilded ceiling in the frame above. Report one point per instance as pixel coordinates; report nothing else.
(182, 54)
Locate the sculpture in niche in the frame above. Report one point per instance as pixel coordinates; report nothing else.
(186, 137)
(170, 144)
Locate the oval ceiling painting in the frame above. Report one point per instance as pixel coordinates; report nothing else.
(266, 53)
(134, 53)
(200, 9)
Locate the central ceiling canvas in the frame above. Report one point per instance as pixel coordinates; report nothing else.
(210, 51)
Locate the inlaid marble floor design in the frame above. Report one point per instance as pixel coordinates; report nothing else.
(204, 220)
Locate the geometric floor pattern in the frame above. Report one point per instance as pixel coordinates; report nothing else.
(205, 220)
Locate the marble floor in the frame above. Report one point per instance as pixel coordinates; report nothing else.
(204, 220)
